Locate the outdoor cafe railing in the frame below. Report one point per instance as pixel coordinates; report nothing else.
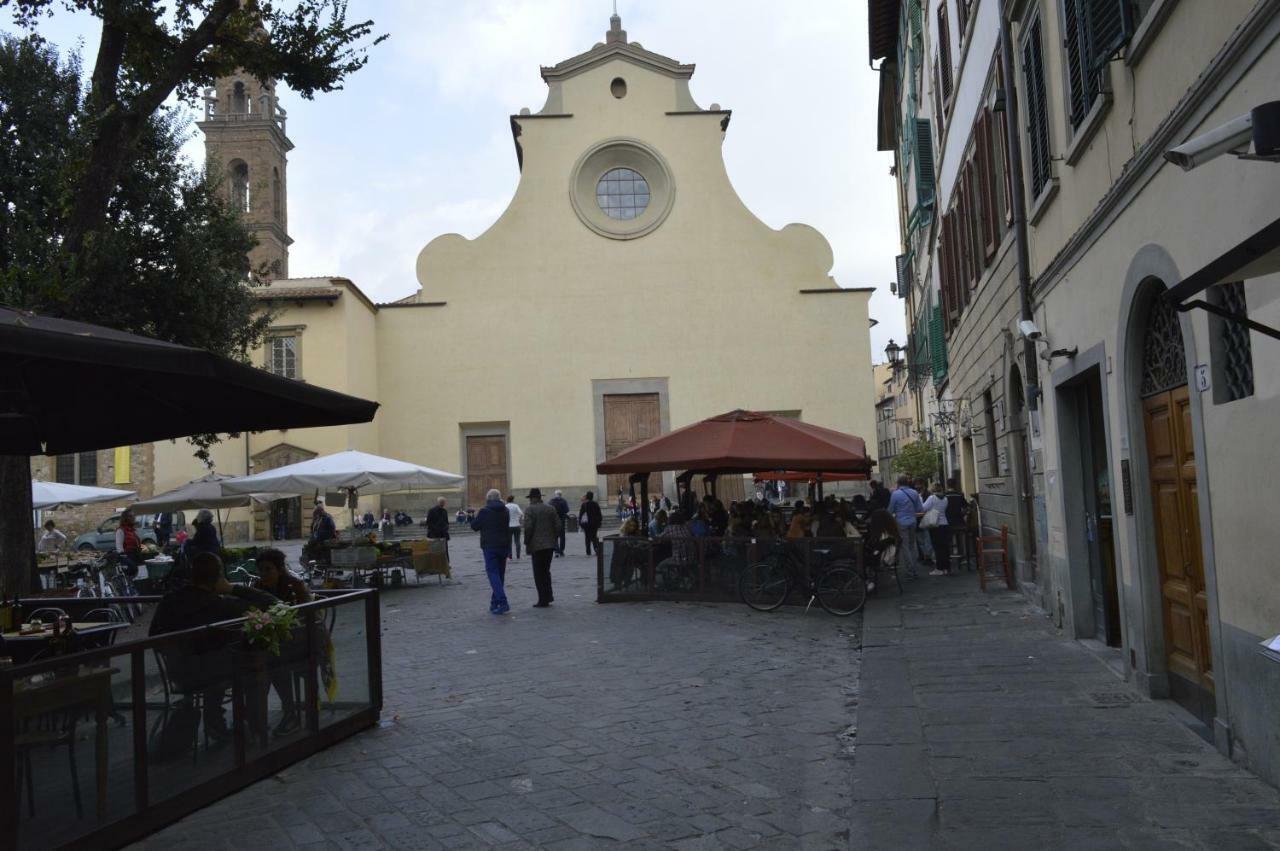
(701, 569)
(103, 746)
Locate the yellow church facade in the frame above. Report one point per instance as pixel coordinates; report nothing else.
(625, 291)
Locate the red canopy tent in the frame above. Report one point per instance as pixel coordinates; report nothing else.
(744, 442)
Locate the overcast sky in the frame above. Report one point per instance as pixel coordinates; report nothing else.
(418, 143)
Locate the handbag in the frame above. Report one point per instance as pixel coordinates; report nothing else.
(930, 519)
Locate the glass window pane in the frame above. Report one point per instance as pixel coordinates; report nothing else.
(622, 193)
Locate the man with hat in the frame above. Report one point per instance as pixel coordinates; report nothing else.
(541, 529)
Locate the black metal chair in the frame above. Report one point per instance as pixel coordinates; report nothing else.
(52, 731)
(49, 614)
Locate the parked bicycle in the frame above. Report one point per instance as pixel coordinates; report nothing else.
(839, 587)
(106, 578)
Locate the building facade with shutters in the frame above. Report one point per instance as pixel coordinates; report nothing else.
(603, 307)
(1148, 427)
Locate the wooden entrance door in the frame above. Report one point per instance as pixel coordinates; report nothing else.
(629, 419)
(1171, 456)
(486, 467)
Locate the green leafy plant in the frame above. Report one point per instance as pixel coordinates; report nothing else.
(265, 630)
(920, 459)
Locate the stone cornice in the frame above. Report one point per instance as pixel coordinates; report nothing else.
(603, 53)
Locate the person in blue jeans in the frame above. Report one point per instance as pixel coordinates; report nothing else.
(906, 507)
(492, 522)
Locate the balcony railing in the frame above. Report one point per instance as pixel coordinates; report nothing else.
(103, 746)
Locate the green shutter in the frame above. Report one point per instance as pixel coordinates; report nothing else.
(903, 262)
(924, 162)
(937, 345)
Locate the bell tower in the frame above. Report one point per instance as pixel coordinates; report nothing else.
(246, 149)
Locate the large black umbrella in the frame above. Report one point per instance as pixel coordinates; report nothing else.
(73, 387)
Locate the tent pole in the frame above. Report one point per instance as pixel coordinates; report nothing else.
(221, 535)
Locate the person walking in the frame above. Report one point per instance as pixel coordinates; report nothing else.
(590, 519)
(437, 521)
(493, 524)
(957, 507)
(939, 533)
(541, 533)
(561, 505)
(515, 517)
(906, 507)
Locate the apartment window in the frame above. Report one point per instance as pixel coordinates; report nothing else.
(963, 8)
(1093, 31)
(989, 425)
(924, 162)
(1036, 108)
(77, 469)
(282, 355)
(1230, 348)
(944, 53)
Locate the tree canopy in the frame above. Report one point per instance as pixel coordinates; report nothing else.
(920, 459)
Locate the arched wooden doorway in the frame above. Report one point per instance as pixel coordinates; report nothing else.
(1170, 451)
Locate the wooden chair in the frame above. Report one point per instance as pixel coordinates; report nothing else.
(990, 548)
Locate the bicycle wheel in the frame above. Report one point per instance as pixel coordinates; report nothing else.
(764, 585)
(841, 589)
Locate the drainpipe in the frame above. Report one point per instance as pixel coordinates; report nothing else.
(1013, 138)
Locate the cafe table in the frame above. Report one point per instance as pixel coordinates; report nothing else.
(22, 646)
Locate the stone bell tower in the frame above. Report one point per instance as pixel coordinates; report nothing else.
(247, 149)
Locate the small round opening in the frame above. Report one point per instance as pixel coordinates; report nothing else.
(618, 87)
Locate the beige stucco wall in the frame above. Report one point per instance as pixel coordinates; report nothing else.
(1232, 199)
(539, 305)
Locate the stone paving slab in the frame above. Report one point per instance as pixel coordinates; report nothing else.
(985, 728)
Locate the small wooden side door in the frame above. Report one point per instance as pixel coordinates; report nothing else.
(1171, 455)
(486, 467)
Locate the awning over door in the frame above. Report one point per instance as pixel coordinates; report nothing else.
(1257, 256)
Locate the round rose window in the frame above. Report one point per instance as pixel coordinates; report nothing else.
(622, 193)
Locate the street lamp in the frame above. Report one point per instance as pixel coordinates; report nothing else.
(894, 353)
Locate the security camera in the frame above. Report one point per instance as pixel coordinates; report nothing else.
(1236, 133)
(1028, 329)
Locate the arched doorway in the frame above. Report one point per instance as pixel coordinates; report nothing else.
(1175, 513)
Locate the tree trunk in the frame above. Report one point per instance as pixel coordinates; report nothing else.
(17, 534)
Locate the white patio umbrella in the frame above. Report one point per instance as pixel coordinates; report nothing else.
(204, 492)
(45, 495)
(351, 471)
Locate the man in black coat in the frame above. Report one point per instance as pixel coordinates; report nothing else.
(437, 521)
(561, 505)
(590, 519)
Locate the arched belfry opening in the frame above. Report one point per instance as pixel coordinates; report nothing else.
(240, 200)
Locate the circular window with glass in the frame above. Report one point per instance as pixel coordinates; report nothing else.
(622, 193)
(621, 188)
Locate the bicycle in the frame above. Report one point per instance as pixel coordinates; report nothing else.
(839, 588)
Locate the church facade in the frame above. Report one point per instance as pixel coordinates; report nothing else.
(625, 291)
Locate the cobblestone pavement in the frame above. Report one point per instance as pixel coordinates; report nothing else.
(666, 725)
(971, 724)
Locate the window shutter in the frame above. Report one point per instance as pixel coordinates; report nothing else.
(1076, 44)
(989, 184)
(937, 346)
(937, 99)
(1037, 111)
(1110, 24)
(948, 305)
(924, 162)
(944, 52)
(123, 465)
(914, 17)
(904, 275)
